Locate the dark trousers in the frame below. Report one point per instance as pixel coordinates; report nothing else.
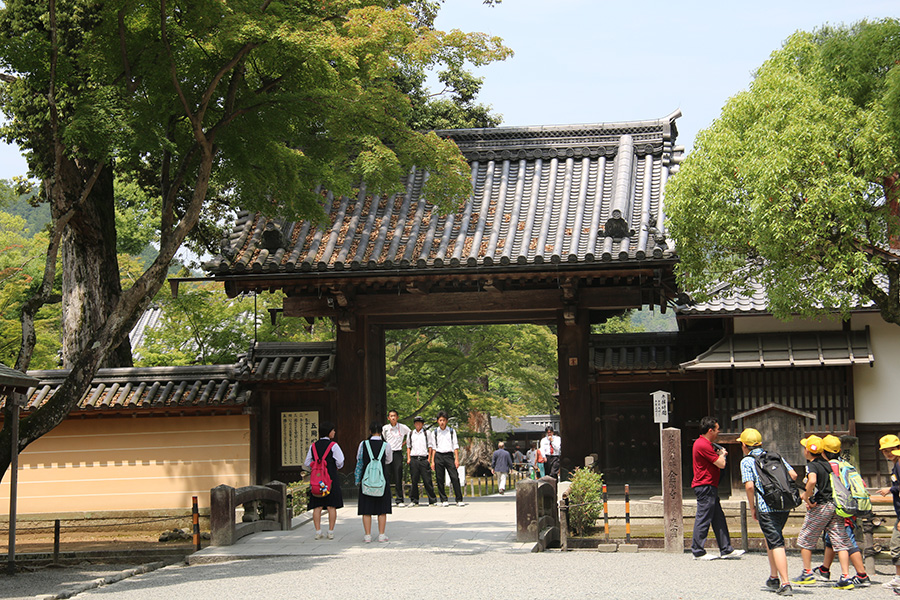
(709, 512)
(395, 472)
(552, 466)
(444, 463)
(419, 468)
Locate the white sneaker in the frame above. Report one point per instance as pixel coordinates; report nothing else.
(410, 504)
(445, 504)
(382, 538)
(893, 583)
(367, 538)
(707, 556)
(330, 535)
(319, 535)
(733, 554)
(460, 503)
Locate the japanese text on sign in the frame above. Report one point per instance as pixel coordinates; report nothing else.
(298, 430)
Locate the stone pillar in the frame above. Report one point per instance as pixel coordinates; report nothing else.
(673, 507)
(527, 511)
(221, 515)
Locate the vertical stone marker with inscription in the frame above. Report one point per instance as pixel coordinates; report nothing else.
(673, 508)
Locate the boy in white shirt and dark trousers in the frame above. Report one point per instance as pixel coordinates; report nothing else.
(419, 451)
(551, 447)
(395, 434)
(446, 459)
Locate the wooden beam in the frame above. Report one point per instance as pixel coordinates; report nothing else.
(526, 301)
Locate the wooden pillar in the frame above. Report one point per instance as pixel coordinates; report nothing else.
(350, 407)
(576, 420)
(376, 382)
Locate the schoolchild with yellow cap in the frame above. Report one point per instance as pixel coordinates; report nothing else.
(890, 448)
(820, 516)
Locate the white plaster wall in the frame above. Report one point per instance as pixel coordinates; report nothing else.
(877, 388)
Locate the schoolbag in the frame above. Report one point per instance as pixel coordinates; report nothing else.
(373, 482)
(778, 489)
(319, 479)
(848, 490)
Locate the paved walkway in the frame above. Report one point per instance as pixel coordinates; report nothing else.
(484, 525)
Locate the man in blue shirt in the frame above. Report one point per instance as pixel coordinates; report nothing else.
(771, 522)
(501, 462)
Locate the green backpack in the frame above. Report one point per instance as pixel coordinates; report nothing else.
(851, 499)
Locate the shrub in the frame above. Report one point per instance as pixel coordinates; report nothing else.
(586, 491)
(300, 496)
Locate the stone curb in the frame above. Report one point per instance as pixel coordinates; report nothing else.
(109, 579)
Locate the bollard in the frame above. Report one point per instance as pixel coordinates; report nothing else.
(627, 516)
(195, 517)
(744, 537)
(605, 514)
(564, 522)
(56, 542)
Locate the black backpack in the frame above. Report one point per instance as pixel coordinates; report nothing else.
(779, 491)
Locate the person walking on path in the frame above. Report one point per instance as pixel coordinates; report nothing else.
(890, 449)
(708, 461)
(551, 446)
(771, 522)
(419, 451)
(501, 463)
(396, 434)
(334, 460)
(445, 460)
(370, 505)
(820, 516)
(831, 449)
(518, 459)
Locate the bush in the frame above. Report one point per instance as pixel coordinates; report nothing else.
(300, 496)
(587, 492)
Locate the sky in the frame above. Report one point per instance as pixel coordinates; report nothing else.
(601, 61)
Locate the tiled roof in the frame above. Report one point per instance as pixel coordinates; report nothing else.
(11, 379)
(146, 388)
(795, 349)
(647, 352)
(573, 194)
(273, 361)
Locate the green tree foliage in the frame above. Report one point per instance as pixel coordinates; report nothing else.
(202, 103)
(504, 370)
(795, 185)
(585, 500)
(203, 326)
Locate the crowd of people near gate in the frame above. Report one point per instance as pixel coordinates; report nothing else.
(774, 488)
(379, 463)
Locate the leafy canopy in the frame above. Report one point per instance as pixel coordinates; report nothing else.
(794, 186)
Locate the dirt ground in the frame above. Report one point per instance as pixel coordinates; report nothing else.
(107, 537)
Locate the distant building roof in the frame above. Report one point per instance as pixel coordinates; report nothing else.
(654, 352)
(528, 424)
(560, 194)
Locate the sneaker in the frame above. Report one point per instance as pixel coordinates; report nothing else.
(367, 538)
(330, 535)
(706, 556)
(460, 503)
(410, 504)
(445, 504)
(773, 583)
(733, 554)
(844, 583)
(822, 574)
(893, 583)
(319, 535)
(785, 590)
(382, 538)
(861, 580)
(806, 578)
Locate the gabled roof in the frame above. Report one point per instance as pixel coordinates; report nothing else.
(569, 194)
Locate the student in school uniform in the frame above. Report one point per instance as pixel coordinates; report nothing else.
(334, 460)
(551, 447)
(369, 505)
(419, 451)
(396, 435)
(445, 460)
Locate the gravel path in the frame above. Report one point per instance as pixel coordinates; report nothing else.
(425, 575)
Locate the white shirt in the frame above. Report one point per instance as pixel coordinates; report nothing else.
(420, 442)
(388, 456)
(395, 435)
(335, 451)
(551, 446)
(445, 440)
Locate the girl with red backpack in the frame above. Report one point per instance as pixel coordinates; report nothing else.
(326, 449)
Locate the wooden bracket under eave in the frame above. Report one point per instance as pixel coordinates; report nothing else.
(346, 321)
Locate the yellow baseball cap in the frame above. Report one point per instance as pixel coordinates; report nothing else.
(889, 441)
(751, 437)
(813, 444)
(831, 443)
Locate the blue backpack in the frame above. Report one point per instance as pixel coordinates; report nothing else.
(373, 482)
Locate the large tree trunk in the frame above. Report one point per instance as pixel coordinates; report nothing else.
(476, 455)
(90, 276)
